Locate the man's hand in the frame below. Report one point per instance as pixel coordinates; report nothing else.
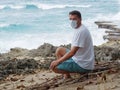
(54, 64)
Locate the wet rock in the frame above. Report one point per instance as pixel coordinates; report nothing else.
(113, 30)
(20, 87)
(14, 79)
(17, 67)
(106, 53)
(14, 53)
(44, 50)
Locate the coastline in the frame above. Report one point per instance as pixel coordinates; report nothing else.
(32, 30)
(35, 65)
(27, 69)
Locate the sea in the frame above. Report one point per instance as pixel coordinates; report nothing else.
(31, 23)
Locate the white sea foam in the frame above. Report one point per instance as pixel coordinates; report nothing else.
(41, 6)
(11, 6)
(119, 1)
(16, 6)
(4, 25)
(31, 41)
(2, 6)
(50, 6)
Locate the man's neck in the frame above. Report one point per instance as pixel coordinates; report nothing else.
(79, 26)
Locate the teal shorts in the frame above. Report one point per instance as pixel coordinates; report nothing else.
(71, 66)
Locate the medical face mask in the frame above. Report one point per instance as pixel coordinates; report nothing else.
(74, 24)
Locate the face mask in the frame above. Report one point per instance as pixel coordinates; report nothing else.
(74, 24)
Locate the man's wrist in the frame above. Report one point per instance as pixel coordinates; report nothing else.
(59, 61)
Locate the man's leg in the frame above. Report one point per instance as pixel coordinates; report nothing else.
(60, 52)
(65, 73)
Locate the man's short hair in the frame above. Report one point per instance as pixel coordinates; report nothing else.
(75, 12)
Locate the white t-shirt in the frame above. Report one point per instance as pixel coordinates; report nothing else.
(84, 57)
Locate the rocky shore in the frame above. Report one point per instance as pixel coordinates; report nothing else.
(21, 61)
(18, 64)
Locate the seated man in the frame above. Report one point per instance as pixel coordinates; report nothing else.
(80, 58)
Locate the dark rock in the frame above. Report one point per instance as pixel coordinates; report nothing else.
(44, 50)
(17, 67)
(67, 46)
(106, 53)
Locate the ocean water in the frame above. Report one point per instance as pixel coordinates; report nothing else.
(30, 23)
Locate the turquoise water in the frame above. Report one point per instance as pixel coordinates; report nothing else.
(30, 23)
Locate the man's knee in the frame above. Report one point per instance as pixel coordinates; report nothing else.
(60, 51)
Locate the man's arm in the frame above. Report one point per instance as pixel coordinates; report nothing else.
(65, 57)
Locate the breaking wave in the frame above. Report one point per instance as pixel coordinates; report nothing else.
(41, 6)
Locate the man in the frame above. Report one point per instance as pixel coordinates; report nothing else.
(80, 58)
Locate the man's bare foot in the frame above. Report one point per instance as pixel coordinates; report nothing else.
(66, 76)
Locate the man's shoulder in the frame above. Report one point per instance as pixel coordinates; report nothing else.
(83, 29)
